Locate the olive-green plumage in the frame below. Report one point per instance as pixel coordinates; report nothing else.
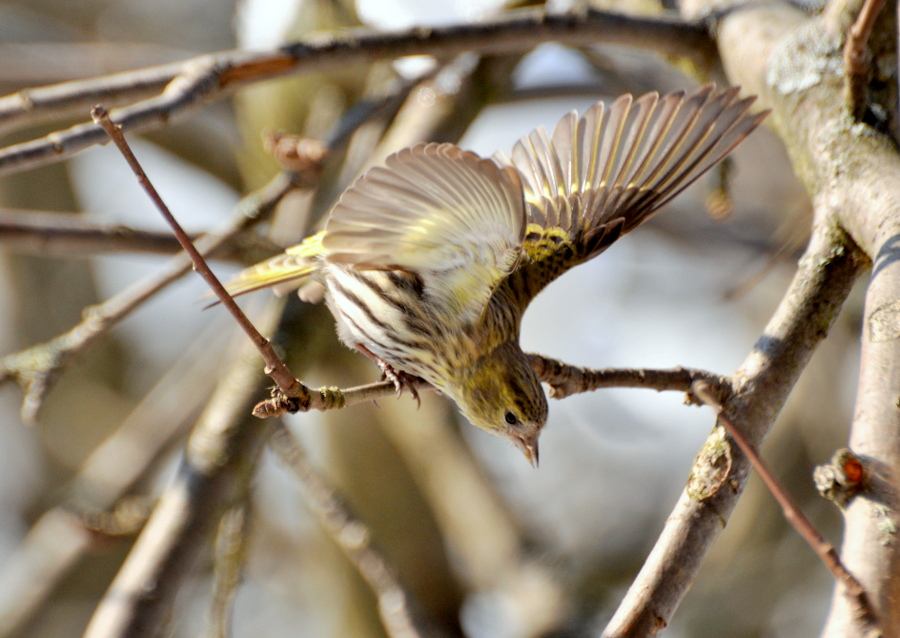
(429, 262)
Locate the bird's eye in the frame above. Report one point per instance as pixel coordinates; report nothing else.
(510, 418)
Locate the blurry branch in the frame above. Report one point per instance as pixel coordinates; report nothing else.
(760, 387)
(395, 604)
(864, 613)
(58, 539)
(194, 82)
(230, 550)
(28, 63)
(77, 235)
(37, 368)
(213, 477)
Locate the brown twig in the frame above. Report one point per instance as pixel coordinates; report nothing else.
(565, 380)
(80, 235)
(853, 589)
(275, 368)
(37, 368)
(856, 58)
(200, 80)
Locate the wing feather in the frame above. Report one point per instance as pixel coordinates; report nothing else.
(453, 218)
(601, 175)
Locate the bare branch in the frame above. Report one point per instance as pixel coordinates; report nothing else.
(231, 547)
(37, 368)
(565, 380)
(760, 387)
(275, 367)
(58, 539)
(78, 235)
(865, 614)
(856, 58)
(213, 477)
(851, 172)
(206, 78)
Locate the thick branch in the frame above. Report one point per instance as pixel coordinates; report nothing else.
(852, 173)
(761, 386)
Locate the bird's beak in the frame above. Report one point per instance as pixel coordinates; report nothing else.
(529, 449)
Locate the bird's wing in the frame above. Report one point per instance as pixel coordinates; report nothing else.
(290, 270)
(445, 215)
(599, 176)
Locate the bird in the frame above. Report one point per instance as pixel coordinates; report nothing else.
(429, 261)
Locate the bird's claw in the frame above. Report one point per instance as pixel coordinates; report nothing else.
(399, 378)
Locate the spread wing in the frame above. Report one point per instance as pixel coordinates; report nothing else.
(445, 215)
(599, 176)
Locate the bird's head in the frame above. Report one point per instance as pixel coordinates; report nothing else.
(501, 394)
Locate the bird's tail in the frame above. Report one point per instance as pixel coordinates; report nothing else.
(293, 269)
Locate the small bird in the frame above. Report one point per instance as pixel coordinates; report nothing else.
(428, 262)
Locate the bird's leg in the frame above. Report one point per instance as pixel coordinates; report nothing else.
(399, 378)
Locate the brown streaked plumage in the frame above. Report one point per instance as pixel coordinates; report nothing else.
(429, 262)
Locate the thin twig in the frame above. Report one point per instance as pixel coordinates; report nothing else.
(856, 58)
(565, 380)
(201, 80)
(37, 368)
(80, 235)
(275, 368)
(794, 515)
(353, 537)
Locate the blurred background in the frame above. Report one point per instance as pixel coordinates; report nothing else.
(445, 501)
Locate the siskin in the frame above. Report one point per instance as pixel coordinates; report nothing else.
(429, 262)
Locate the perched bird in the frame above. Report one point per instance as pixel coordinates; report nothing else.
(428, 262)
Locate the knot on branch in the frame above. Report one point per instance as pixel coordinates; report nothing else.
(842, 478)
(329, 398)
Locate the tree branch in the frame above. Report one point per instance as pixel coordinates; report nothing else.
(78, 235)
(37, 368)
(760, 387)
(396, 607)
(200, 80)
(852, 172)
(565, 380)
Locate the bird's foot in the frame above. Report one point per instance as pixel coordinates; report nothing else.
(400, 379)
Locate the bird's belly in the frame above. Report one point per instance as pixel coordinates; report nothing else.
(388, 321)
